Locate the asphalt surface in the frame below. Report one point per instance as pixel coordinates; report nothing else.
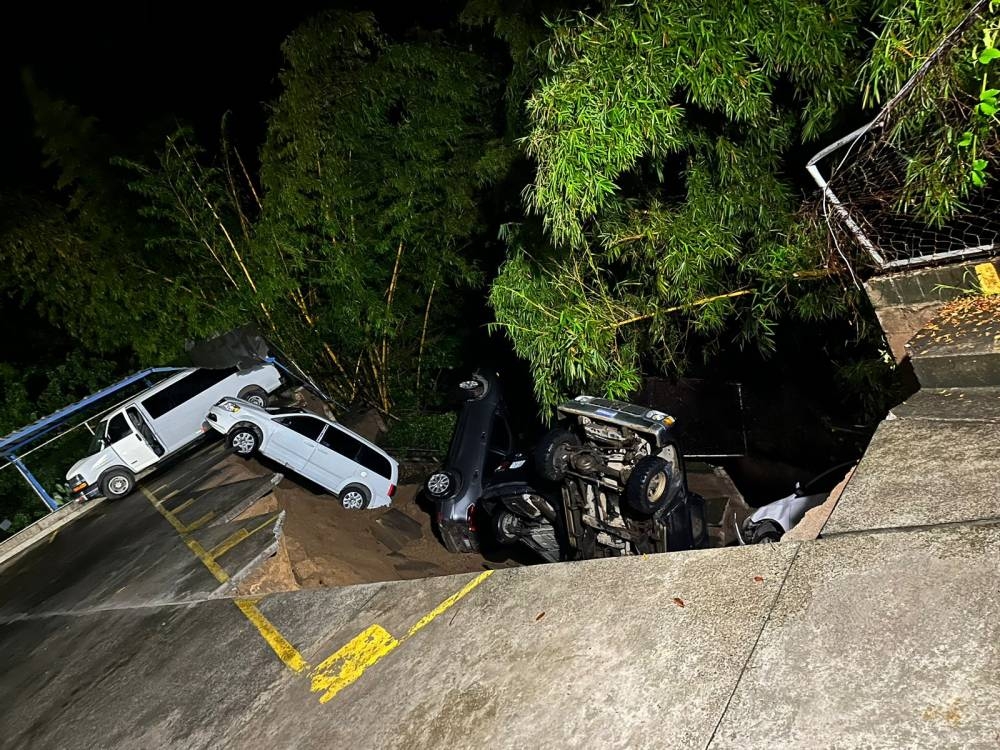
(126, 554)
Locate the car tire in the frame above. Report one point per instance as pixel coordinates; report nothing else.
(255, 395)
(441, 484)
(473, 388)
(244, 439)
(766, 532)
(648, 485)
(503, 527)
(117, 483)
(552, 453)
(355, 497)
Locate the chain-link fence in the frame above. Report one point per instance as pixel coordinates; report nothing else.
(912, 187)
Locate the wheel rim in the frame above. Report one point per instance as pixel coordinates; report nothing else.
(468, 385)
(256, 400)
(507, 526)
(438, 484)
(118, 485)
(353, 500)
(243, 442)
(657, 483)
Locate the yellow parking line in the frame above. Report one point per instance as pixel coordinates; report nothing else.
(448, 603)
(349, 662)
(285, 651)
(207, 560)
(345, 666)
(186, 504)
(213, 567)
(197, 524)
(238, 536)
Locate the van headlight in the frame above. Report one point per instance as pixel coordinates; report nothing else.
(230, 407)
(77, 483)
(659, 416)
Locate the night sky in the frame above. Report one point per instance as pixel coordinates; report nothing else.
(135, 67)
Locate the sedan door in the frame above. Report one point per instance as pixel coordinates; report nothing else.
(293, 441)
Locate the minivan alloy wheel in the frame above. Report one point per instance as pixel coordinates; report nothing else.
(353, 500)
(243, 443)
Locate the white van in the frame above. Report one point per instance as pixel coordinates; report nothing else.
(158, 422)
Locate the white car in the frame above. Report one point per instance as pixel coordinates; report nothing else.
(770, 522)
(360, 473)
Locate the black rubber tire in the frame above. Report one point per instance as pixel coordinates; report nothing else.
(349, 490)
(474, 387)
(767, 532)
(648, 485)
(255, 395)
(441, 484)
(116, 483)
(501, 528)
(246, 448)
(551, 454)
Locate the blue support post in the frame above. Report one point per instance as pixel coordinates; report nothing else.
(30, 479)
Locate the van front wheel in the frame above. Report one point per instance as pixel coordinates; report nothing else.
(117, 483)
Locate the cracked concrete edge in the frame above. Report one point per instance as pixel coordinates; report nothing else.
(253, 497)
(269, 551)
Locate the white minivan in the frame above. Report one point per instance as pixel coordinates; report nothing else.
(357, 471)
(158, 422)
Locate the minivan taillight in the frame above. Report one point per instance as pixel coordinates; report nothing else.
(471, 518)
(392, 490)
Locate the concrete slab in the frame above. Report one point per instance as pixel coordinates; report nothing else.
(951, 404)
(152, 677)
(960, 347)
(879, 640)
(632, 652)
(914, 474)
(156, 568)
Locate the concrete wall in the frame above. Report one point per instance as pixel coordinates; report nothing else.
(904, 302)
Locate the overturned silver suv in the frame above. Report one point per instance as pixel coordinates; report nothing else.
(623, 482)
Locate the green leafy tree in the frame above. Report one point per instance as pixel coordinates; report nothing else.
(376, 158)
(661, 135)
(27, 393)
(944, 124)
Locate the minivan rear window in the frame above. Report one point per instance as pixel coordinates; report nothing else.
(372, 460)
(342, 443)
(185, 389)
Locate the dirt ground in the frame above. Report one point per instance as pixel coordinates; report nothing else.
(325, 545)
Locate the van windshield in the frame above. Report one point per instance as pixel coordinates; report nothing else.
(97, 441)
